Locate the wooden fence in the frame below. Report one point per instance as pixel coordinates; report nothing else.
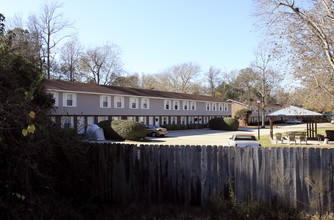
(300, 178)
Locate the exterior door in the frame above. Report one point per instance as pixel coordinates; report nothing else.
(156, 121)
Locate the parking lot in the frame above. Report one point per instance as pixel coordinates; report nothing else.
(216, 137)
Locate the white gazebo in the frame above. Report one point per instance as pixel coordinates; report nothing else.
(294, 111)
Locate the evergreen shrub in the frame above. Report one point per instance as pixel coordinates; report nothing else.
(109, 133)
(230, 124)
(123, 129)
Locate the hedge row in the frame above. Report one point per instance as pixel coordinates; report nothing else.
(229, 124)
(123, 129)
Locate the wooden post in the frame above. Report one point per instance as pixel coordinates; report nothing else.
(312, 131)
(271, 127)
(316, 127)
(307, 127)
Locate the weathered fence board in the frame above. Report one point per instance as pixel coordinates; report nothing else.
(300, 178)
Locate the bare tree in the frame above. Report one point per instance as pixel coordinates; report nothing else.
(2, 24)
(180, 78)
(70, 59)
(266, 79)
(213, 79)
(150, 81)
(303, 32)
(102, 65)
(131, 81)
(48, 26)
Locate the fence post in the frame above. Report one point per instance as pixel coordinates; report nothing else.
(204, 168)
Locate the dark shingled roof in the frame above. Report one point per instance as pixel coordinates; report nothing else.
(95, 88)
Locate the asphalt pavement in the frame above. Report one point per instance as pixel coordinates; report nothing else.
(216, 137)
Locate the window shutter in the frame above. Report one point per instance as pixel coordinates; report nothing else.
(101, 101)
(74, 100)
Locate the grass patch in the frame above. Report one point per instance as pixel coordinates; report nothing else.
(266, 142)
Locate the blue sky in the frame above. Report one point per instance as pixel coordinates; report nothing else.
(156, 34)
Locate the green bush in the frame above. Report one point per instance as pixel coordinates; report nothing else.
(109, 133)
(123, 129)
(44, 171)
(182, 127)
(232, 124)
(229, 124)
(243, 114)
(169, 127)
(217, 124)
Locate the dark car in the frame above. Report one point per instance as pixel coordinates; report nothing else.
(155, 131)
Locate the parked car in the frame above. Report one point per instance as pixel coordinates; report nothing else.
(243, 140)
(154, 131)
(292, 121)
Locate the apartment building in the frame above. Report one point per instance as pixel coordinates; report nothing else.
(80, 104)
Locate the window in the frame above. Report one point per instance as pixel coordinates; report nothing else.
(116, 117)
(185, 105)
(105, 101)
(207, 106)
(193, 106)
(145, 103)
(167, 104)
(55, 97)
(174, 120)
(176, 105)
(69, 100)
(220, 107)
(225, 107)
(183, 120)
(67, 122)
(119, 102)
(102, 118)
(164, 120)
(214, 106)
(134, 103)
(191, 120)
(142, 120)
(131, 118)
(206, 119)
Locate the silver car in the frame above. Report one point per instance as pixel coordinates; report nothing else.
(155, 131)
(293, 121)
(243, 140)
